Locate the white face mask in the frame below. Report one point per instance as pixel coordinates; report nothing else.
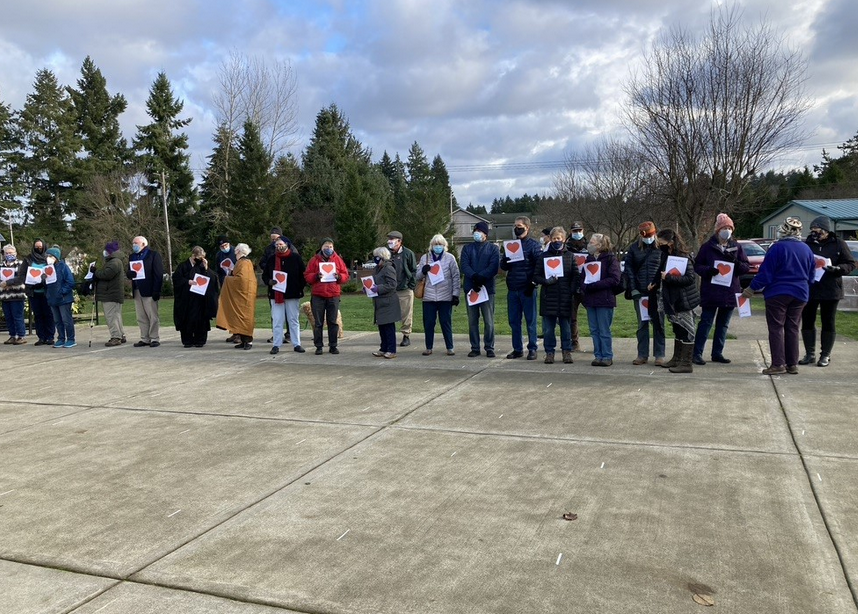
(724, 234)
(391, 244)
(51, 260)
(106, 253)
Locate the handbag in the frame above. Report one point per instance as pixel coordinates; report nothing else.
(420, 288)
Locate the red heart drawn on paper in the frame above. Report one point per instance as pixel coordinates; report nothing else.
(580, 259)
(328, 268)
(226, 264)
(593, 268)
(513, 247)
(280, 277)
(742, 301)
(202, 281)
(553, 263)
(7, 273)
(723, 269)
(820, 263)
(435, 269)
(35, 273)
(49, 270)
(367, 283)
(645, 303)
(137, 266)
(675, 272)
(473, 297)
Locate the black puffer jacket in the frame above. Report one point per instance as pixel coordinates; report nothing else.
(641, 264)
(679, 292)
(555, 299)
(830, 287)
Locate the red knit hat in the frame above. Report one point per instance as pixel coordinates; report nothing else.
(647, 229)
(723, 221)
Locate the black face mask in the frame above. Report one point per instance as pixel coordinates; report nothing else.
(39, 250)
(665, 248)
(814, 236)
(519, 231)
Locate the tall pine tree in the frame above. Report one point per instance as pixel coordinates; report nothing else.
(11, 188)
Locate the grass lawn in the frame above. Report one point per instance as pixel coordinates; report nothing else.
(357, 315)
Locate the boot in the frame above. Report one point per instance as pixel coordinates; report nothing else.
(677, 345)
(809, 338)
(684, 365)
(567, 357)
(828, 337)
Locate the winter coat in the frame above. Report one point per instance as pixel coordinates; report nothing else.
(221, 256)
(830, 287)
(601, 293)
(14, 290)
(555, 297)
(192, 311)
(480, 264)
(714, 295)
(39, 261)
(642, 262)
(678, 292)
(386, 304)
(328, 289)
(519, 274)
(109, 280)
(406, 268)
(61, 292)
(293, 266)
(576, 246)
(447, 289)
(787, 270)
(153, 268)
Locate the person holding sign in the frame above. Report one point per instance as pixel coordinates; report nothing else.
(443, 286)
(406, 280)
(325, 273)
(12, 293)
(195, 299)
(283, 274)
(146, 272)
(109, 291)
(785, 278)
(225, 259)
(601, 278)
(577, 244)
(236, 311)
(555, 297)
(386, 306)
(60, 296)
(643, 259)
(678, 295)
(720, 263)
(520, 260)
(35, 289)
(480, 265)
(826, 293)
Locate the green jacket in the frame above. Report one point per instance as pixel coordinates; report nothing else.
(110, 280)
(406, 269)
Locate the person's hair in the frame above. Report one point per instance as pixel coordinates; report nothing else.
(604, 241)
(438, 240)
(242, 248)
(671, 236)
(9, 248)
(198, 252)
(524, 220)
(557, 230)
(143, 240)
(381, 252)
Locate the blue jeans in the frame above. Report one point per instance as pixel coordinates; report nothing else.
(600, 320)
(487, 311)
(657, 322)
(281, 314)
(62, 315)
(722, 323)
(518, 304)
(13, 311)
(549, 341)
(443, 311)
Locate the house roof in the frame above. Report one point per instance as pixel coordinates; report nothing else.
(838, 209)
(471, 214)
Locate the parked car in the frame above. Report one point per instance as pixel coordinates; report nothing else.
(853, 247)
(764, 243)
(756, 255)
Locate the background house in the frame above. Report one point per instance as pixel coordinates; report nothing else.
(843, 213)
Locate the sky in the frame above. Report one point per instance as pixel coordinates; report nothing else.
(502, 90)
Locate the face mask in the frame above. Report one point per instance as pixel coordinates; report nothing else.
(105, 253)
(328, 252)
(814, 235)
(557, 245)
(519, 231)
(377, 260)
(282, 250)
(725, 234)
(542, 240)
(39, 250)
(136, 249)
(577, 235)
(51, 260)
(10, 258)
(225, 250)
(649, 240)
(665, 248)
(478, 237)
(593, 249)
(391, 244)
(438, 249)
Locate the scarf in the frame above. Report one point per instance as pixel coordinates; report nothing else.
(279, 265)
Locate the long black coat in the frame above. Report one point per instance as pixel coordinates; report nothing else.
(293, 266)
(830, 287)
(192, 311)
(678, 292)
(555, 299)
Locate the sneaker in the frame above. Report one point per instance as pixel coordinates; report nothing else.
(123, 340)
(490, 353)
(141, 344)
(378, 354)
(274, 350)
(775, 370)
(427, 352)
(473, 353)
(9, 341)
(531, 354)
(319, 351)
(70, 344)
(792, 369)
(154, 344)
(114, 341)
(640, 360)
(515, 354)
(334, 350)
(59, 344)
(390, 354)
(299, 349)
(450, 352)
(405, 342)
(721, 359)
(19, 341)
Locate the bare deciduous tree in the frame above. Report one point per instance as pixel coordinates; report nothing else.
(709, 112)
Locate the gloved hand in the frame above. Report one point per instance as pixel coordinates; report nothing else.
(92, 268)
(636, 295)
(528, 290)
(505, 259)
(272, 282)
(425, 269)
(130, 274)
(319, 276)
(479, 280)
(748, 292)
(551, 280)
(156, 297)
(44, 277)
(836, 270)
(455, 301)
(713, 272)
(477, 288)
(336, 277)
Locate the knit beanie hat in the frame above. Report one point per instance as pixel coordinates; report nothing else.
(547, 231)
(325, 240)
(647, 229)
(221, 240)
(112, 247)
(55, 252)
(822, 222)
(482, 227)
(790, 228)
(723, 221)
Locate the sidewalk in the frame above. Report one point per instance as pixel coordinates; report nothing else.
(215, 480)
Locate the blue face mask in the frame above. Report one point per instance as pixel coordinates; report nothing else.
(377, 260)
(438, 249)
(328, 252)
(577, 235)
(225, 250)
(557, 245)
(10, 257)
(478, 237)
(648, 240)
(136, 249)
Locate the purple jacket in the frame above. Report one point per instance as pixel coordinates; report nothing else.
(714, 295)
(601, 293)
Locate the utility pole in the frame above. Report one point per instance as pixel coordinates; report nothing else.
(167, 221)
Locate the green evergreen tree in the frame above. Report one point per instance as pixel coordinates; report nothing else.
(215, 189)
(11, 188)
(365, 194)
(426, 208)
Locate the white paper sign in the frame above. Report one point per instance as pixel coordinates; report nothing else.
(725, 273)
(592, 272)
(7, 273)
(90, 272)
(137, 267)
(34, 276)
(821, 263)
(51, 273)
(676, 265)
(328, 271)
(580, 259)
(744, 305)
(644, 309)
(227, 265)
(475, 298)
(280, 278)
(369, 286)
(553, 266)
(514, 250)
(200, 285)
(436, 274)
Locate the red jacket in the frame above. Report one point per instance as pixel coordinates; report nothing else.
(327, 289)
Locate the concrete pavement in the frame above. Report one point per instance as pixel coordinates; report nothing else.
(216, 480)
